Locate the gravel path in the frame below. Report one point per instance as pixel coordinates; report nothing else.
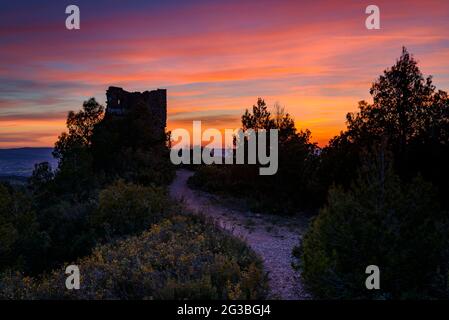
(272, 237)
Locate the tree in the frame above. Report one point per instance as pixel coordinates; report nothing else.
(292, 188)
(409, 115)
(41, 176)
(41, 184)
(260, 118)
(378, 221)
(73, 149)
(294, 185)
(284, 123)
(80, 126)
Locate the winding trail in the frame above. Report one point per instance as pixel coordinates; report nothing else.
(271, 237)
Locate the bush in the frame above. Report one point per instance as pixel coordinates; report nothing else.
(21, 241)
(67, 223)
(128, 208)
(379, 221)
(179, 258)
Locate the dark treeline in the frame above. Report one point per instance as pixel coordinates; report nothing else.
(295, 183)
(382, 186)
(409, 118)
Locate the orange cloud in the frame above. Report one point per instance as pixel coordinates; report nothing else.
(215, 59)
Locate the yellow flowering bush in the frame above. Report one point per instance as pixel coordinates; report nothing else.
(183, 257)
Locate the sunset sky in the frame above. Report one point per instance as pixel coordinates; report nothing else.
(316, 58)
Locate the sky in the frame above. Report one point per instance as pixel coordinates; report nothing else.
(215, 58)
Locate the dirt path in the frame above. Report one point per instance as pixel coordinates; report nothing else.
(272, 237)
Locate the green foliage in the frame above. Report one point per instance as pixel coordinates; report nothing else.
(62, 206)
(378, 221)
(128, 208)
(75, 227)
(63, 225)
(179, 258)
(382, 211)
(109, 184)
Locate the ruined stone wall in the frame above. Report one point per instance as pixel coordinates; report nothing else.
(119, 102)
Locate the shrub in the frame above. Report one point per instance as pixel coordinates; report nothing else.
(180, 258)
(379, 221)
(21, 241)
(128, 208)
(67, 223)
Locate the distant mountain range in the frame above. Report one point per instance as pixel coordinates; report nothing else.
(20, 162)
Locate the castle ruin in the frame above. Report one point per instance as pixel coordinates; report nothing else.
(119, 102)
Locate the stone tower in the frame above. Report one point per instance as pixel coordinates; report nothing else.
(119, 102)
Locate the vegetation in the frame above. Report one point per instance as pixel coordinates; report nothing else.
(295, 182)
(386, 179)
(128, 208)
(179, 258)
(409, 116)
(378, 221)
(109, 187)
(381, 184)
(21, 241)
(395, 214)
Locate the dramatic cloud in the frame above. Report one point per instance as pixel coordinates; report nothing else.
(214, 57)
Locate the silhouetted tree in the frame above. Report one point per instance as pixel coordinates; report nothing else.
(260, 118)
(73, 150)
(59, 219)
(80, 127)
(293, 187)
(380, 221)
(409, 115)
